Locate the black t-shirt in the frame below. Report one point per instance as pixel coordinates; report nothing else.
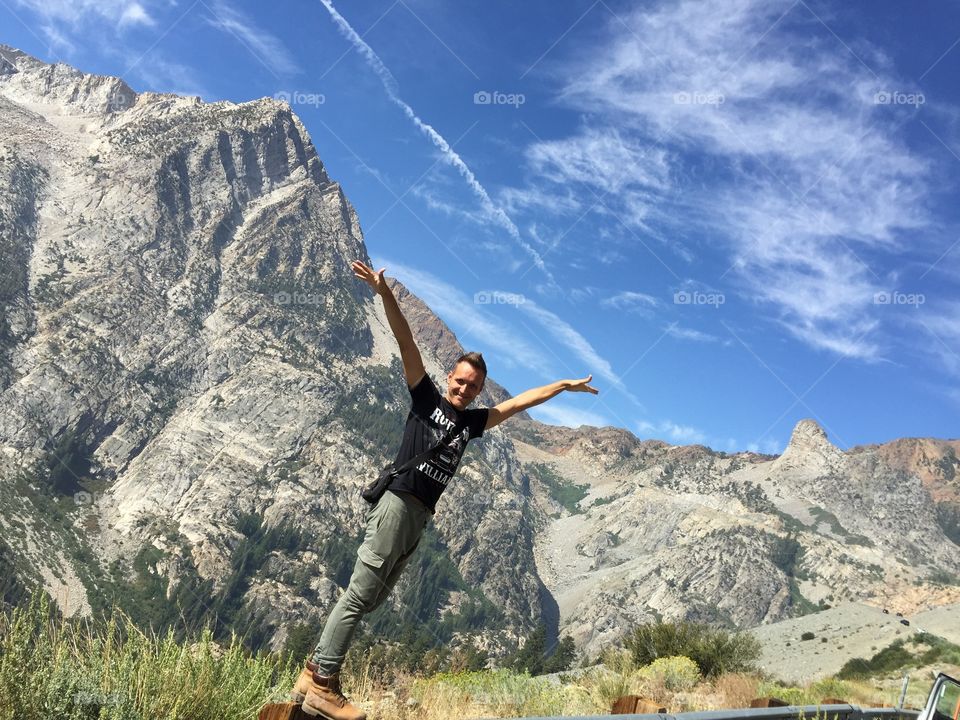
(431, 416)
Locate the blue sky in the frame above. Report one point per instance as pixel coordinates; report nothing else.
(734, 213)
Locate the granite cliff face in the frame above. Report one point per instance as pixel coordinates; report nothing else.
(669, 532)
(183, 348)
(180, 315)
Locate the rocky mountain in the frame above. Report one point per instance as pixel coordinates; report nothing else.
(683, 531)
(184, 343)
(193, 387)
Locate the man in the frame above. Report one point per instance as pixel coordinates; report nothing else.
(395, 524)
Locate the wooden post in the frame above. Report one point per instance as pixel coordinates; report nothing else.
(768, 702)
(636, 704)
(283, 711)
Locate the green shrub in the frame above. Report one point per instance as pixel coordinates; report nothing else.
(562, 491)
(891, 658)
(714, 650)
(807, 636)
(674, 673)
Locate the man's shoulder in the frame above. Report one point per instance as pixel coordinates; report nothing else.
(424, 391)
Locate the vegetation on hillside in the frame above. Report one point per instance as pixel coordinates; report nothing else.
(922, 649)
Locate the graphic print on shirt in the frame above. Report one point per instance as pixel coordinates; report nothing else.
(444, 463)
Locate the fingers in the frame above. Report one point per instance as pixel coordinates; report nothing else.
(366, 273)
(583, 386)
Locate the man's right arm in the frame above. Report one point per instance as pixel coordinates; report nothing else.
(413, 369)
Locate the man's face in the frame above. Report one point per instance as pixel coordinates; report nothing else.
(464, 383)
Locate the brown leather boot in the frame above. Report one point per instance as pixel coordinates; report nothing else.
(325, 699)
(303, 683)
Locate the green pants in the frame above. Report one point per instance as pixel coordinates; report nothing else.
(393, 532)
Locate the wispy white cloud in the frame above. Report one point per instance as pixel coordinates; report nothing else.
(682, 333)
(264, 46)
(605, 159)
(631, 301)
(941, 330)
(809, 179)
(135, 14)
(73, 14)
(675, 432)
(556, 201)
(450, 156)
(569, 416)
(475, 324)
(162, 75)
(58, 40)
(575, 343)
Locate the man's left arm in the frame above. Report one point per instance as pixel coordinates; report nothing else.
(535, 396)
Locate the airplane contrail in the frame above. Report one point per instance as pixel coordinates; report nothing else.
(449, 154)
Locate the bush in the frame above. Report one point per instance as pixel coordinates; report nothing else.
(807, 636)
(674, 673)
(52, 667)
(615, 677)
(714, 650)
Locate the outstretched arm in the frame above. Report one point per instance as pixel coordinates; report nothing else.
(535, 396)
(413, 369)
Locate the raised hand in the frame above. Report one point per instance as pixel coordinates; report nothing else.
(581, 385)
(373, 279)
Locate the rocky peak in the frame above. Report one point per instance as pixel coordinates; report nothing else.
(34, 81)
(808, 436)
(811, 450)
